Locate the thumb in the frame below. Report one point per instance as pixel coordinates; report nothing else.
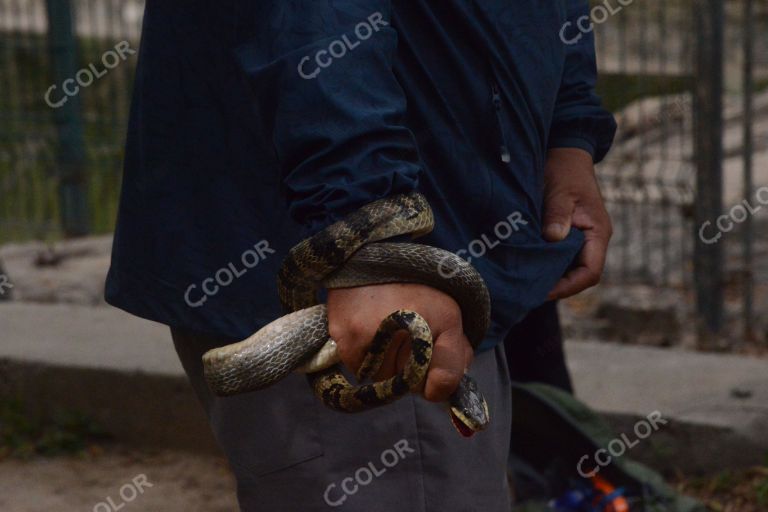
(558, 210)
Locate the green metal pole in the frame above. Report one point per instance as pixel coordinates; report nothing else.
(708, 144)
(73, 179)
(748, 233)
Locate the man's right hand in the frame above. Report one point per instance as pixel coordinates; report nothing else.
(354, 315)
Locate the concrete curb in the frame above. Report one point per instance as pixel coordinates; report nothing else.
(134, 408)
(160, 411)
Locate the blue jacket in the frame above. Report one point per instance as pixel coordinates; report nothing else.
(256, 123)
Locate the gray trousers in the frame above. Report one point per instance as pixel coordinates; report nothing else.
(290, 453)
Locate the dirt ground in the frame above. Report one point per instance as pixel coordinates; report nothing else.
(106, 480)
(743, 490)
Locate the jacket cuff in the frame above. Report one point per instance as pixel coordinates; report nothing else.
(593, 133)
(585, 143)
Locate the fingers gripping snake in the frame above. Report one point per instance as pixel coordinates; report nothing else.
(345, 254)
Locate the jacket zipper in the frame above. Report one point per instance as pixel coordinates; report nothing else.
(504, 150)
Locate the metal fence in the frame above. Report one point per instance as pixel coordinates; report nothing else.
(60, 166)
(681, 76)
(645, 54)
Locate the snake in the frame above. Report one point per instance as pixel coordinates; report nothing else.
(349, 253)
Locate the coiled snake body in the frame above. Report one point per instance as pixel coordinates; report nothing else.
(343, 255)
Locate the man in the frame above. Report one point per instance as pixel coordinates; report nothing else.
(256, 124)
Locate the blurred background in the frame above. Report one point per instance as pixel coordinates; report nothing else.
(678, 324)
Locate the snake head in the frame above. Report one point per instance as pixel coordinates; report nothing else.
(469, 410)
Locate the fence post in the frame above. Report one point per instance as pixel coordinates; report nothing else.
(748, 233)
(73, 179)
(708, 148)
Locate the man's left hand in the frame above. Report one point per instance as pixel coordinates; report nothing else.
(572, 198)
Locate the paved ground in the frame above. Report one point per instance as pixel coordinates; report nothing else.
(88, 337)
(711, 389)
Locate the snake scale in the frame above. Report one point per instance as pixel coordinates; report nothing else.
(345, 254)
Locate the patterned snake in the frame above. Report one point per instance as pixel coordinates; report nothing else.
(346, 254)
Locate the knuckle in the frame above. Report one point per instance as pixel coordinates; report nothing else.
(336, 329)
(440, 384)
(452, 315)
(435, 395)
(609, 227)
(345, 331)
(346, 352)
(356, 327)
(556, 213)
